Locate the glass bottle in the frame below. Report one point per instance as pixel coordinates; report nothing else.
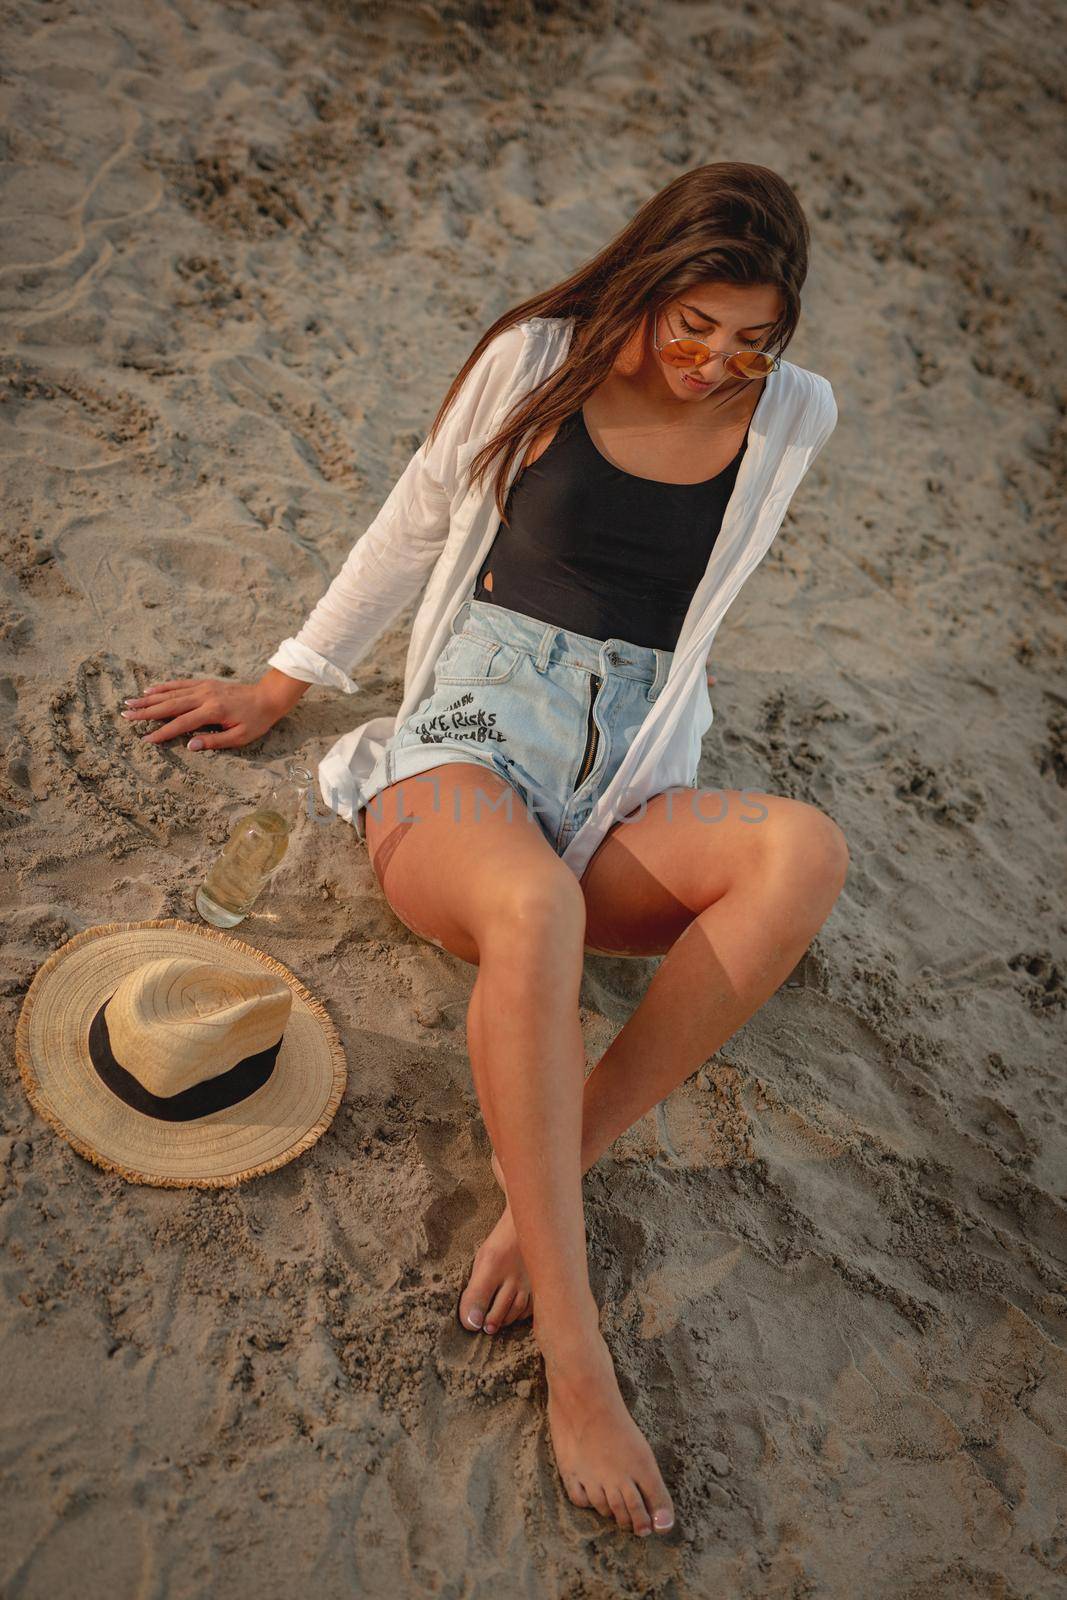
(255, 849)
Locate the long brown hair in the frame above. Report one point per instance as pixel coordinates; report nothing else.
(727, 222)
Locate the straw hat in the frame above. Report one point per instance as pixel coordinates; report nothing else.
(177, 1055)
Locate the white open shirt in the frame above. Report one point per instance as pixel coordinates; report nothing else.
(435, 527)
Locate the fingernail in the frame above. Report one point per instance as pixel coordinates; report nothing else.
(663, 1519)
(130, 698)
(195, 744)
(125, 713)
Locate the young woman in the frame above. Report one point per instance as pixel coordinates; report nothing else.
(535, 796)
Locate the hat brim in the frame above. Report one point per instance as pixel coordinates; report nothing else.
(280, 1120)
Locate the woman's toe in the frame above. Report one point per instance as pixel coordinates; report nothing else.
(619, 1509)
(635, 1504)
(471, 1309)
(520, 1306)
(497, 1314)
(662, 1514)
(477, 1297)
(576, 1490)
(598, 1499)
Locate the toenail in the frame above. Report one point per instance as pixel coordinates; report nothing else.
(475, 1317)
(490, 1327)
(663, 1519)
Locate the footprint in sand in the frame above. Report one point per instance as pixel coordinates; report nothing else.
(298, 413)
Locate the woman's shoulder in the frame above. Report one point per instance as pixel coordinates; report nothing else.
(546, 327)
(808, 382)
(809, 400)
(513, 358)
(508, 352)
(531, 334)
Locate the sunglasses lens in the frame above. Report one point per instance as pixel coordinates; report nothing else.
(685, 353)
(750, 364)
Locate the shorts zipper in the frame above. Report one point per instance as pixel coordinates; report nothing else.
(592, 738)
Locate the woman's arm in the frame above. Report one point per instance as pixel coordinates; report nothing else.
(384, 570)
(391, 561)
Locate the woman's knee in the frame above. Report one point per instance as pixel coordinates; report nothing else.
(818, 846)
(542, 904)
(805, 842)
(833, 848)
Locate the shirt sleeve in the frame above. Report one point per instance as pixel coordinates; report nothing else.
(391, 561)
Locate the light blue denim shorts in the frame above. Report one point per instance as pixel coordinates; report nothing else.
(551, 712)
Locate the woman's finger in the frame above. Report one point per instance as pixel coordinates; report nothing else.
(159, 709)
(219, 741)
(170, 730)
(161, 688)
(153, 696)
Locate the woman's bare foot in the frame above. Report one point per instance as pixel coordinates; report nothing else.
(604, 1459)
(499, 1289)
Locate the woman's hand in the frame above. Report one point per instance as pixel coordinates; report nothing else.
(711, 677)
(244, 711)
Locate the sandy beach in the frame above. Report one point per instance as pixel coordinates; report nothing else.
(246, 247)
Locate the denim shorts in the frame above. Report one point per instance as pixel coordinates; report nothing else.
(551, 712)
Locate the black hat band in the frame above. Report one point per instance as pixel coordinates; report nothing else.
(199, 1100)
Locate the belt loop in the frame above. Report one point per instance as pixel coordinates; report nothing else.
(544, 649)
(663, 667)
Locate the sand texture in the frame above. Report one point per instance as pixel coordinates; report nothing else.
(245, 249)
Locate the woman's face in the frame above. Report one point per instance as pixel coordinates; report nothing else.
(727, 317)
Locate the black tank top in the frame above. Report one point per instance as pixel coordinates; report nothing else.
(599, 551)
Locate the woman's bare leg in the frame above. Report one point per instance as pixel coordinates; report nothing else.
(467, 875)
(529, 1085)
(734, 904)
